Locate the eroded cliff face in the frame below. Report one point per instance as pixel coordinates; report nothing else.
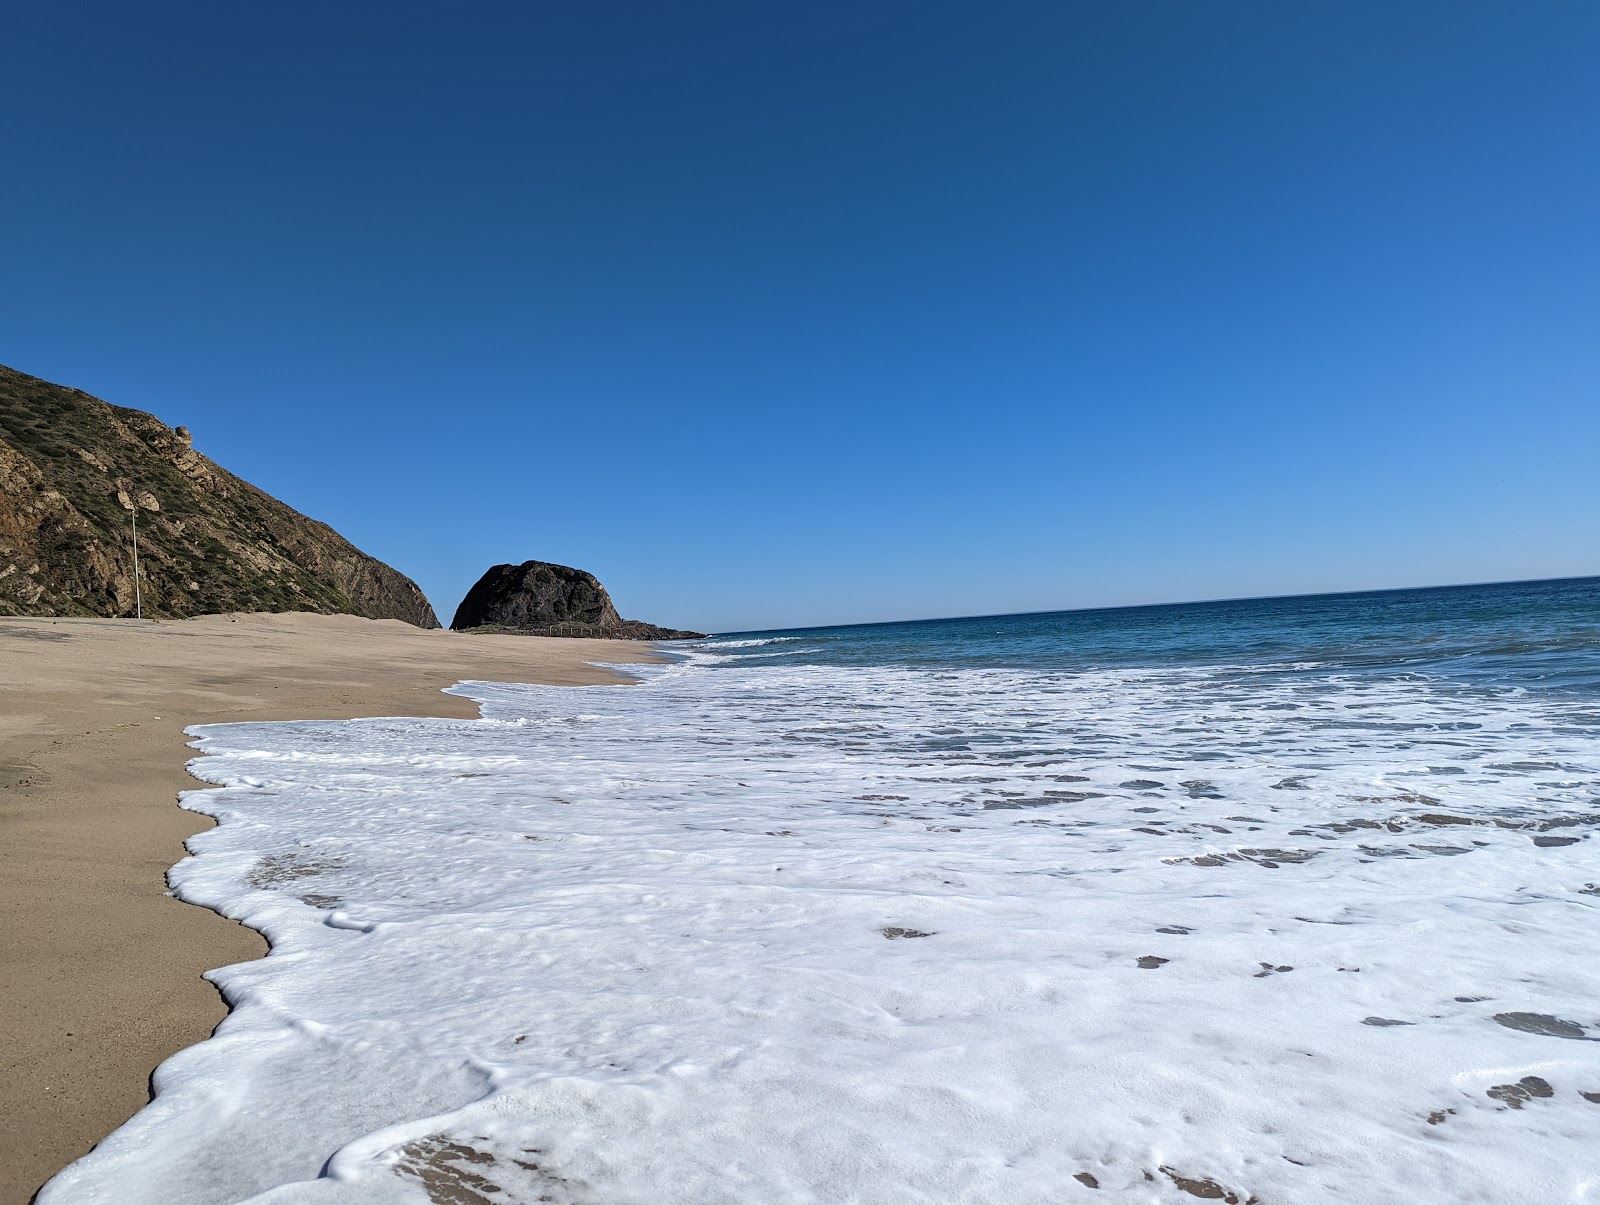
(73, 469)
(542, 599)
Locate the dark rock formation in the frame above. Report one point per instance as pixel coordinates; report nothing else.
(72, 468)
(537, 598)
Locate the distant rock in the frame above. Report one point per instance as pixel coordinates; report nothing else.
(75, 470)
(537, 598)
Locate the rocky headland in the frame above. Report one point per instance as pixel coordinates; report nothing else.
(537, 598)
(73, 472)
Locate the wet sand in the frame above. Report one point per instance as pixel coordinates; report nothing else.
(102, 967)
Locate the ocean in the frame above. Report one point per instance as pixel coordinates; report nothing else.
(1284, 900)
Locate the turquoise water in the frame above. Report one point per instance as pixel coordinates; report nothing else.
(1530, 634)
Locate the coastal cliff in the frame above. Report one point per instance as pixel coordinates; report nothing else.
(537, 598)
(73, 469)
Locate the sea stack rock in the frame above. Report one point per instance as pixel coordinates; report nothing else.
(537, 598)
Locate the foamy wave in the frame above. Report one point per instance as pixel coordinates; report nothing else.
(749, 644)
(788, 933)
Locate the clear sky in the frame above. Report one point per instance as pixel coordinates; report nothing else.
(777, 313)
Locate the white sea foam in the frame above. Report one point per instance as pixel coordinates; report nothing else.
(798, 934)
(713, 649)
(715, 645)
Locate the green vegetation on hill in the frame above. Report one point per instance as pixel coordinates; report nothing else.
(73, 468)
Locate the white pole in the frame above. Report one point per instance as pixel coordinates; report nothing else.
(138, 597)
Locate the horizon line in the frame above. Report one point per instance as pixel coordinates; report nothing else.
(1192, 602)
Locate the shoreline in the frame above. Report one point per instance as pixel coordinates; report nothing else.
(104, 965)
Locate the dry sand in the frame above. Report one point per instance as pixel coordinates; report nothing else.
(101, 976)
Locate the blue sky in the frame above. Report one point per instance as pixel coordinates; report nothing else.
(792, 313)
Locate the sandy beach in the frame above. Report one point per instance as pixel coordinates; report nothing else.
(103, 967)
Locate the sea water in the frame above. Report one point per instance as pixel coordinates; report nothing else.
(1281, 901)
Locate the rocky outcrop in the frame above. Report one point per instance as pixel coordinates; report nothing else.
(540, 599)
(74, 469)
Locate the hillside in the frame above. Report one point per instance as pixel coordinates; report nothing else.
(73, 467)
